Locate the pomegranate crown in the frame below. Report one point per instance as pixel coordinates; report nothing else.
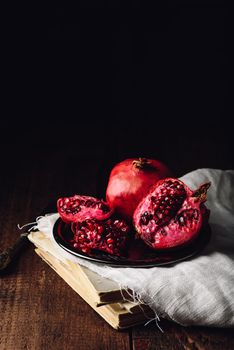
(142, 163)
(200, 193)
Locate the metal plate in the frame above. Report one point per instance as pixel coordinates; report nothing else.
(139, 255)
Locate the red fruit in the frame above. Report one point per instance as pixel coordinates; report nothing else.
(171, 214)
(80, 208)
(110, 236)
(130, 180)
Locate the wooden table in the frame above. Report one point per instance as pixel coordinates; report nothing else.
(38, 310)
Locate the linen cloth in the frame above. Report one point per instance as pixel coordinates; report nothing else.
(199, 291)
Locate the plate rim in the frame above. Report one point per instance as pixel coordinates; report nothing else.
(203, 236)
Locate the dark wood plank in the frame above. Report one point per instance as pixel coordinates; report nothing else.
(176, 337)
(38, 309)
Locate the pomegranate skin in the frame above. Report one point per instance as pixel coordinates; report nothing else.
(171, 215)
(130, 180)
(80, 208)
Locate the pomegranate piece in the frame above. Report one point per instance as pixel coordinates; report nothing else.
(110, 236)
(130, 180)
(80, 208)
(171, 214)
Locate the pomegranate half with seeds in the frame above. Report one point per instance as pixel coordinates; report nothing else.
(130, 180)
(80, 208)
(171, 215)
(111, 236)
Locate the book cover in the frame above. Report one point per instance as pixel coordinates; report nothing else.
(118, 315)
(103, 290)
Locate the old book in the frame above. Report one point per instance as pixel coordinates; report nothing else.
(93, 288)
(118, 315)
(103, 291)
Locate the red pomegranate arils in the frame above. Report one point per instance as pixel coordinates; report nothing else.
(80, 208)
(171, 214)
(110, 236)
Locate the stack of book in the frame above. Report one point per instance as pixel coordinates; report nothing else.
(102, 294)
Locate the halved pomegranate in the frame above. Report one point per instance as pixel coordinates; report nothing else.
(171, 214)
(80, 208)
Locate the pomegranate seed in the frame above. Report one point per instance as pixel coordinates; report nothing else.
(99, 229)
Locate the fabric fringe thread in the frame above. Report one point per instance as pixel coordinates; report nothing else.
(137, 298)
(34, 223)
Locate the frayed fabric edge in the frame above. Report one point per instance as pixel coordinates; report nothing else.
(136, 297)
(33, 224)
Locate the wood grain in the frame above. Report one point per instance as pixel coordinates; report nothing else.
(38, 310)
(177, 337)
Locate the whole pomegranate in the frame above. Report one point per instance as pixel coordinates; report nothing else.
(171, 214)
(110, 236)
(130, 180)
(80, 208)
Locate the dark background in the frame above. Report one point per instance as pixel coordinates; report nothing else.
(106, 82)
(83, 88)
